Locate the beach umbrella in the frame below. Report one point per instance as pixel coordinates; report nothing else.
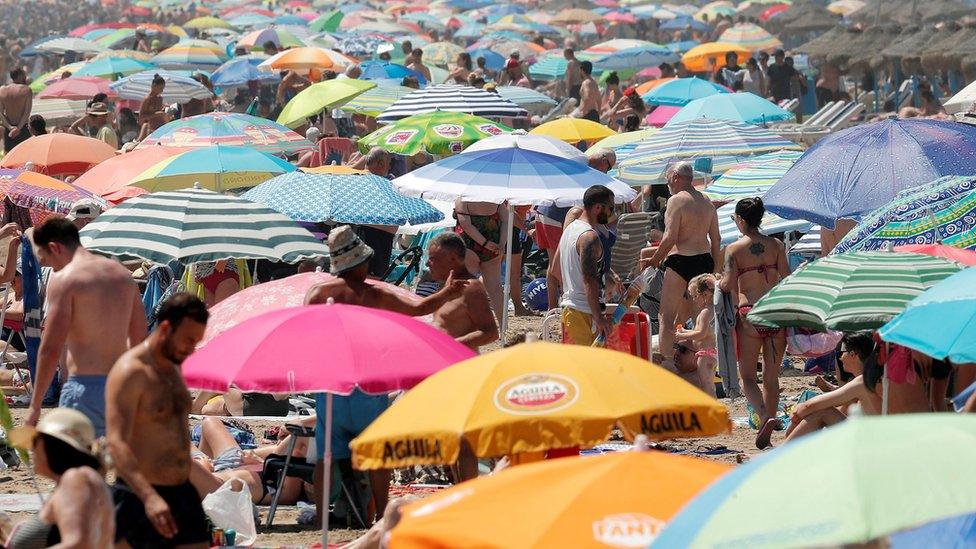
(751, 37)
(538, 143)
(682, 23)
(276, 35)
(845, 7)
(454, 98)
(470, 30)
(221, 128)
(323, 95)
(958, 255)
(374, 101)
(599, 507)
(185, 55)
(712, 10)
(67, 44)
(304, 58)
(112, 67)
(573, 130)
(195, 225)
(110, 178)
(633, 57)
(178, 89)
(251, 20)
(743, 107)
(850, 292)
(41, 195)
(623, 144)
(123, 54)
(381, 70)
(57, 154)
(361, 45)
(853, 172)
(536, 397)
(493, 61)
(771, 223)
(893, 480)
(962, 101)
(941, 322)
(773, 11)
(441, 53)
(531, 100)
(679, 92)
(438, 133)
(59, 111)
(357, 199)
(217, 167)
(711, 55)
(327, 22)
(646, 87)
(275, 295)
(943, 211)
(746, 180)
(571, 16)
(208, 23)
(550, 67)
(239, 71)
(618, 44)
(79, 88)
(956, 532)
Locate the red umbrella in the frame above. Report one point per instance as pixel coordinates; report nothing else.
(773, 11)
(78, 87)
(959, 255)
(137, 11)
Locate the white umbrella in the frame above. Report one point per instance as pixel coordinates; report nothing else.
(179, 89)
(962, 101)
(537, 143)
(66, 44)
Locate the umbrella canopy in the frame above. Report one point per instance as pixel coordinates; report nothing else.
(850, 292)
(493, 61)
(59, 111)
(179, 88)
(940, 212)
(323, 95)
(110, 178)
(962, 101)
(67, 44)
(856, 171)
(250, 354)
(374, 101)
(186, 56)
(441, 53)
(378, 70)
(515, 508)
(539, 143)
(747, 179)
(272, 296)
(454, 98)
(217, 167)
(519, 176)
(207, 23)
(681, 91)
(893, 480)
(960, 256)
(221, 128)
(112, 68)
(742, 107)
(628, 59)
(710, 56)
(940, 322)
(845, 7)
(239, 71)
(280, 37)
(536, 397)
(751, 37)
(573, 130)
(300, 59)
(357, 199)
(42, 196)
(576, 15)
(78, 88)
(58, 154)
(531, 100)
(195, 225)
(438, 133)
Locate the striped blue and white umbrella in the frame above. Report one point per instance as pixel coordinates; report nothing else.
(771, 224)
(452, 98)
(530, 100)
(179, 89)
(359, 199)
(194, 225)
(631, 58)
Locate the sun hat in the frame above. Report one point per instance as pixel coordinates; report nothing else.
(84, 208)
(346, 250)
(98, 108)
(65, 424)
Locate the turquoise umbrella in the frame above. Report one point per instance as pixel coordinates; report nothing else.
(111, 67)
(743, 107)
(862, 480)
(681, 91)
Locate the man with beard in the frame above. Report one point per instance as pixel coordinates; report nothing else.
(148, 435)
(579, 257)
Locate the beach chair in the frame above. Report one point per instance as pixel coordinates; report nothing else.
(815, 118)
(406, 265)
(633, 232)
(789, 104)
(844, 118)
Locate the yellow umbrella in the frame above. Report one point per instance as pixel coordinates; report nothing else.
(574, 130)
(591, 501)
(626, 138)
(322, 95)
(710, 56)
(208, 23)
(334, 169)
(845, 7)
(531, 398)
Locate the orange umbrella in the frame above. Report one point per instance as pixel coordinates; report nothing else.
(711, 55)
(110, 179)
(58, 154)
(615, 500)
(651, 84)
(302, 59)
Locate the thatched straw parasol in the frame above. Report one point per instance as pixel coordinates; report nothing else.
(933, 56)
(911, 61)
(804, 18)
(960, 45)
(911, 40)
(825, 44)
(927, 11)
(867, 51)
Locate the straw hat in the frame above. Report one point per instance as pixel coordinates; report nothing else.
(97, 109)
(65, 424)
(346, 250)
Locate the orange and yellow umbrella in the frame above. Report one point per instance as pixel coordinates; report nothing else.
(531, 398)
(614, 500)
(710, 56)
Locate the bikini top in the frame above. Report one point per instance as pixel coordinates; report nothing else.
(34, 532)
(761, 269)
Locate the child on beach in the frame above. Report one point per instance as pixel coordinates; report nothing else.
(702, 337)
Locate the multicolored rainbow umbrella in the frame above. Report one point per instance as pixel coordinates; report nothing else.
(278, 36)
(42, 196)
(751, 37)
(439, 133)
(190, 54)
(217, 168)
(221, 128)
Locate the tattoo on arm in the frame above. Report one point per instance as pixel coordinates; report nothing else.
(757, 248)
(590, 259)
(729, 262)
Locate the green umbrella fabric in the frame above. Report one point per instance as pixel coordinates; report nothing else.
(850, 292)
(317, 97)
(439, 133)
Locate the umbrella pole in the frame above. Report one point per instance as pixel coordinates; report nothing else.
(885, 385)
(326, 466)
(506, 285)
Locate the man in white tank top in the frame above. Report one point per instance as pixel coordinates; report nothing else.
(579, 257)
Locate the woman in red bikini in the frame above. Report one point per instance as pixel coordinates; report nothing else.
(753, 265)
(219, 279)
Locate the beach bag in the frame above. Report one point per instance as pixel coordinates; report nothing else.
(228, 508)
(811, 344)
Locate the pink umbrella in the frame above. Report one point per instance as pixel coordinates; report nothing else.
(78, 87)
(650, 73)
(959, 255)
(620, 17)
(272, 296)
(661, 115)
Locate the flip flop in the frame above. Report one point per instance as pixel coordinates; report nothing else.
(765, 433)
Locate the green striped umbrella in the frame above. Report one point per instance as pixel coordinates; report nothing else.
(438, 132)
(850, 292)
(194, 225)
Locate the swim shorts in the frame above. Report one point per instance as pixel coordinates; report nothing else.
(351, 415)
(134, 526)
(87, 395)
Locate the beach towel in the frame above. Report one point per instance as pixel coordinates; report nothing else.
(158, 282)
(33, 304)
(724, 325)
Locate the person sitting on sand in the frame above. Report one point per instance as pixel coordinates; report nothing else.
(79, 512)
(702, 289)
(858, 357)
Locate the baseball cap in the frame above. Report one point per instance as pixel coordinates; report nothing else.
(84, 209)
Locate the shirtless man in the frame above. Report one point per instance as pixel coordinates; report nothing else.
(93, 308)
(589, 107)
(416, 63)
(15, 109)
(691, 232)
(467, 318)
(349, 262)
(573, 76)
(149, 436)
(152, 112)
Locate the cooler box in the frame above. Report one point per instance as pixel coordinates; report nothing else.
(631, 336)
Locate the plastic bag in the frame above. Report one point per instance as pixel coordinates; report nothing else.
(811, 344)
(230, 507)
